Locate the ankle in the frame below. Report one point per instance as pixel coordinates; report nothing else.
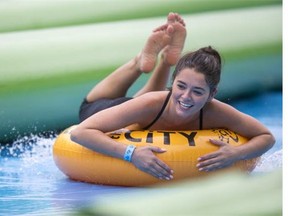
(135, 63)
(163, 59)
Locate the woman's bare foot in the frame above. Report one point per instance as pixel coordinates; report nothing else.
(159, 39)
(172, 52)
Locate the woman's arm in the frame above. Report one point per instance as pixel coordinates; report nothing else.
(225, 116)
(91, 133)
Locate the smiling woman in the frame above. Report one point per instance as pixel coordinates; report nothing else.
(189, 105)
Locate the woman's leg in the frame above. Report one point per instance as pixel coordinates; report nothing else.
(111, 91)
(170, 38)
(169, 57)
(118, 82)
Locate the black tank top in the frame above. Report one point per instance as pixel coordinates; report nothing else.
(162, 110)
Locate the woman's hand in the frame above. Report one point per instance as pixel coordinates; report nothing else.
(224, 157)
(144, 159)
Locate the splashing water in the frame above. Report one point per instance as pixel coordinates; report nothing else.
(269, 162)
(27, 160)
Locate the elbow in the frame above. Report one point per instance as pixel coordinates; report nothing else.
(75, 135)
(269, 140)
(272, 141)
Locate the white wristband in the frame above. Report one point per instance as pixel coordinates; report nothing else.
(128, 153)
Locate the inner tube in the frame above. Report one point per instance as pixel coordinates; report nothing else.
(183, 149)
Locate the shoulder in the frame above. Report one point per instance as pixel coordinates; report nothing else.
(216, 106)
(151, 98)
(146, 104)
(154, 95)
(220, 114)
(143, 109)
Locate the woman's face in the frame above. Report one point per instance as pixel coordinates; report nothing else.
(190, 92)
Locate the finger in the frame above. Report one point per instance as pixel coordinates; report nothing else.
(210, 167)
(160, 169)
(206, 163)
(217, 142)
(214, 167)
(164, 170)
(157, 149)
(156, 172)
(209, 156)
(157, 167)
(214, 161)
(152, 171)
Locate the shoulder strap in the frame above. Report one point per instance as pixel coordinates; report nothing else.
(160, 113)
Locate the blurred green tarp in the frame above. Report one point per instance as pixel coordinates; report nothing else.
(229, 194)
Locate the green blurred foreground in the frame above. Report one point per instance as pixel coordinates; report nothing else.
(18, 15)
(230, 194)
(55, 55)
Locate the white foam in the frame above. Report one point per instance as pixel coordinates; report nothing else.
(270, 162)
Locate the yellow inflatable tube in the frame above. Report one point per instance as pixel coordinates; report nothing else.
(183, 149)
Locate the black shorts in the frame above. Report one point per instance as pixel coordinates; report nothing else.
(87, 109)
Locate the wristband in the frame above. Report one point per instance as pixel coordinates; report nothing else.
(128, 153)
